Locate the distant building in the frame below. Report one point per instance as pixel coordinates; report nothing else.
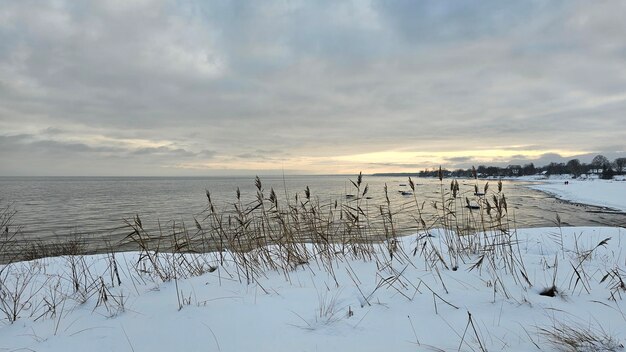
(514, 170)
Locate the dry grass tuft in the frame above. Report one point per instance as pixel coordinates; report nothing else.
(572, 338)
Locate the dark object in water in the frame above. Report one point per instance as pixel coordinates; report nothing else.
(479, 194)
(471, 205)
(406, 193)
(349, 195)
(402, 185)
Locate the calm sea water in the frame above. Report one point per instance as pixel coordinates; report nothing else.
(52, 208)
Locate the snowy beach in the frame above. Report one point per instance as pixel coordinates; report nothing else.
(411, 304)
(604, 193)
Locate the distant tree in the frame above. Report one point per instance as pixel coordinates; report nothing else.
(600, 161)
(556, 168)
(574, 167)
(529, 169)
(585, 168)
(493, 171)
(620, 165)
(462, 173)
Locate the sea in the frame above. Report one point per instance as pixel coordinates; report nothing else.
(97, 209)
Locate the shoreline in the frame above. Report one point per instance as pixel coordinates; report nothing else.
(608, 194)
(573, 212)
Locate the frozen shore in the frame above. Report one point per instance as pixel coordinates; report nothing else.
(604, 193)
(467, 300)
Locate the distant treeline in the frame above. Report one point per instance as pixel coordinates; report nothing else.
(600, 165)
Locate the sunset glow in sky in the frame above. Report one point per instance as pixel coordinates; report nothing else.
(155, 87)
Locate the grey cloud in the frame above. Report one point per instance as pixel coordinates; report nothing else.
(398, 165)
(52, 147)
(207, 154)
(445, 21)
(316, 79)
(459, 159)
(52, 131)
(26, 142)
(263, 154)
(20, 153)
(250, 156)
(11, 141)
(163, 151)
(57, 148)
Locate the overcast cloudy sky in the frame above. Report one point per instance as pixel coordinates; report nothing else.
(151, 87)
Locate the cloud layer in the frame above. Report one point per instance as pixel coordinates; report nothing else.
(162, 87)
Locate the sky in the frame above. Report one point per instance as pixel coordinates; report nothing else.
(155, 87)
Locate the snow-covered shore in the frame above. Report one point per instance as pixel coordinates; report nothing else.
(409, 303)
(604, 193)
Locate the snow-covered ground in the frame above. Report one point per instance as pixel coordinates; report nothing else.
(606, 193)
(417, 301)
